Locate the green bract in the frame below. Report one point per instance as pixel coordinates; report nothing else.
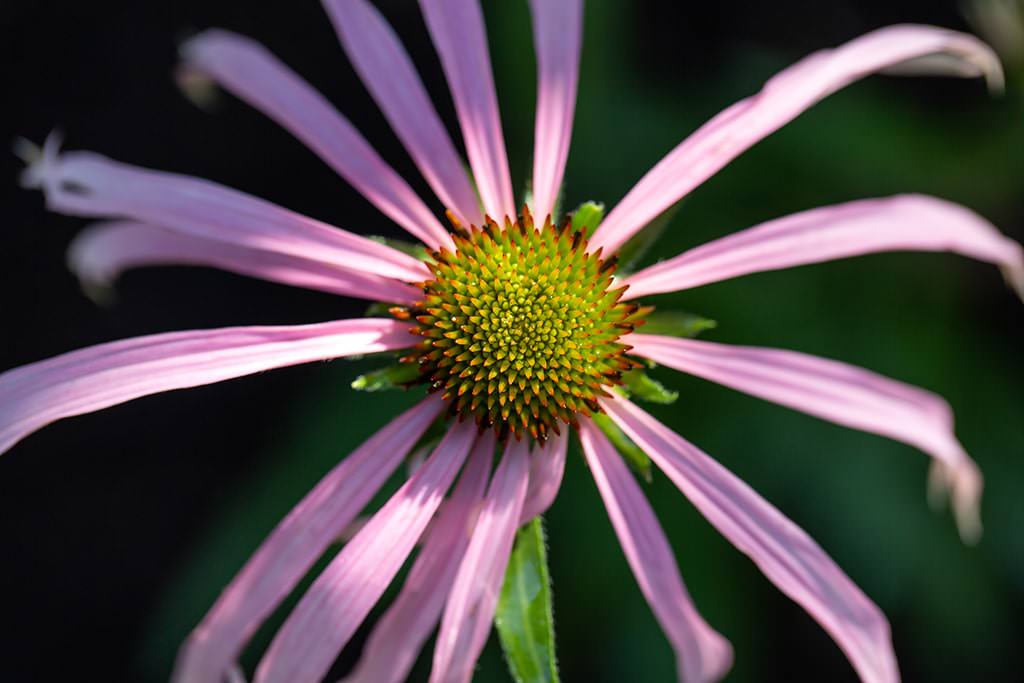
(520, 326)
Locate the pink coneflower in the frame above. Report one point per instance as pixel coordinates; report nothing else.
(522, 332)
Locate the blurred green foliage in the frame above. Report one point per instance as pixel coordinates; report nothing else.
(937, 321)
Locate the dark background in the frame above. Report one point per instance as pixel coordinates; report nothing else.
(119, 529)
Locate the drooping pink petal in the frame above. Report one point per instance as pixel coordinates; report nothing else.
(474, 596)
(100, 253)
(389, 74)
(101, 376)
(782, 99)
(252, 73)
(341, 597)
(397, 638)
(296, 543)
(547, 465)
(908, 222)
(702, 655)
(785, 554)
(457, 29)
(88, 184)
(557, 37)
(837, 392)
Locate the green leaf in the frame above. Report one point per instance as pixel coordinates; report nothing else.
(634, 249)
(397, 376)
(415, 250)
(676, 324)
(633, 455)
(525, 620)
(587, 217)
(645, 388)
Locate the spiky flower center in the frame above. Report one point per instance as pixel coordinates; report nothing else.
(521, 325)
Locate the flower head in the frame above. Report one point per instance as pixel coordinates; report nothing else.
(520, 327)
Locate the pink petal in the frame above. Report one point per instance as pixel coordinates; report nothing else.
(390, 76)
(547, 465)
(87, 184)
(467, 616)
(296, 543)
(252, 73)
(909, 222)
(702, 655)
(557, 36)
(783, 552)
(782, 99)
(98, 377)
(397, 638)
(100, 253)
(836, 392)
(457, 29)
(341, 597)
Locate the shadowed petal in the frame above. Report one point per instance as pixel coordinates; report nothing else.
(296, 543)
(547, 465)
(782, 99)
(101, 376)
(557, 37)
(702, 655)
(100, 253)
(457, 29)
(474, 596)
(389, 74)
(88, 184)
(785, 554)
(836, 392)
(341, 597)
(902, 223)
(398, 637)
(252, 73)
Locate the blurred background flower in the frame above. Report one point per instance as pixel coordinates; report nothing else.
(121, 528)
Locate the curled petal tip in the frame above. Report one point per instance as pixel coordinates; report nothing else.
(1014, 275)
(957, 54)
(963, 486)
(39, 161)
(194, 84)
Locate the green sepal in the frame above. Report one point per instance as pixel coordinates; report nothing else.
(415, 250)
(525, 618)
(631, 453)
(587, 217)
(398, 376)
(676, 324)
(379, 309)
(637, 245)
(644, 387)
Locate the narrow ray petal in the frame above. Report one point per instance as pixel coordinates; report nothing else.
(837, 392)
(295, 544)
(457, 29)
(557, 37)
(98, 377)
(88, 184)
(252, 73)
(782, 99)
(103, 251)
(785, 553)
(474, 597)
(702, 655)
(547, 465)
(397, 638)
(902, 223)
(341, 597)
(389, 74)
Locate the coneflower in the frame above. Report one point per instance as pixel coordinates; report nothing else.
(519, 329)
